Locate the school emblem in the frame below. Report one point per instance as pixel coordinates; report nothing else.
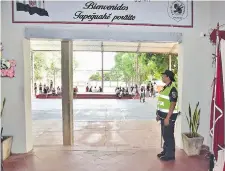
(174, 95)
(178, 10)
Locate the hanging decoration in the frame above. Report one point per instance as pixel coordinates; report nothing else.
(217, 105)
(212, 37)
(7, 66)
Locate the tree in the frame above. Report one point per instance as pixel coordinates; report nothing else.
(116, 74)
(39, 66)
(124, 66)
(53, 67)
(160, 62)
(143, 68)
(48, 65)
(107, 76)
(148, 65)
(96, 77)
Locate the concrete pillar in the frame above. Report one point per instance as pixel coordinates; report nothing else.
(180, 119)
(170, 62)
(27, 95)
(67, 91)
(32, 72)
(137, 81)
(102, 71)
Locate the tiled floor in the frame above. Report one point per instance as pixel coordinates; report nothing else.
(62, 158)
(106, 134)
(105, 146)
(97, 122)
(102, 144)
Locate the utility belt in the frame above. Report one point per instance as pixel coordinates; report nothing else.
(163, 115)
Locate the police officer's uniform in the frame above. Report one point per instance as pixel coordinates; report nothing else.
(166, 96)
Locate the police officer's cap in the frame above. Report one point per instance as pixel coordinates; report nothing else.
(169, 74)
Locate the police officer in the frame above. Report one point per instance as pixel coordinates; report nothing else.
(167, 112)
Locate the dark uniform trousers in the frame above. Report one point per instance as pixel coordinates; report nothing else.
(168, 136)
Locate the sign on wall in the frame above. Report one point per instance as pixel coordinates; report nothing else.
(137, 12)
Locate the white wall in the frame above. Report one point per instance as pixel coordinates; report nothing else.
(196, 72)
(217, 13)
(16, 116)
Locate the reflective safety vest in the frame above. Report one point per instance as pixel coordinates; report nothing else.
(164, 100)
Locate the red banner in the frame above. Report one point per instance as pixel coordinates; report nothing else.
(217, 105)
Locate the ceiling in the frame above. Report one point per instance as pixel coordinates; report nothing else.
(108, 46)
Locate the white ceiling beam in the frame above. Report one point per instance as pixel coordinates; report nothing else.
(37, 32)
(107, 46)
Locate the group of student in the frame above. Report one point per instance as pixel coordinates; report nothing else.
(149, 91)
(46, 89)
(120, 92)
(94, 90)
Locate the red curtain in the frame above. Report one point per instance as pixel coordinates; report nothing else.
(218, 114)
(217, 105)
(212, 107)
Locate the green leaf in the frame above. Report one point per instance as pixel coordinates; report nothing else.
(194, 120)
(190, 117)
(3, 106)
(148, 65)
(198, 120)
(187, 119)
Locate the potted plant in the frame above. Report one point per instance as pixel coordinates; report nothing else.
(192, 141)
(6, 141)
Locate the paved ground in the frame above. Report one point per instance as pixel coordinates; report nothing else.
(109, 135)
(95, 110)
(98, 124)
(61, 158)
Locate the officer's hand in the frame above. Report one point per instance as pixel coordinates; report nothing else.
(157, 118)
(166, 121)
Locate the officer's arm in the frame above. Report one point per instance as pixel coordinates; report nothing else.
(173, 101)
(171, 109)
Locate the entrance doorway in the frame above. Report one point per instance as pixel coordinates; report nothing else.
(103, 124)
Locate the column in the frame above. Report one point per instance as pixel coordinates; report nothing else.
(32, 72)
(102, 72)
(170, 63)
(137, 69)
(27, 100)
(67, 91)
(102, 53)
